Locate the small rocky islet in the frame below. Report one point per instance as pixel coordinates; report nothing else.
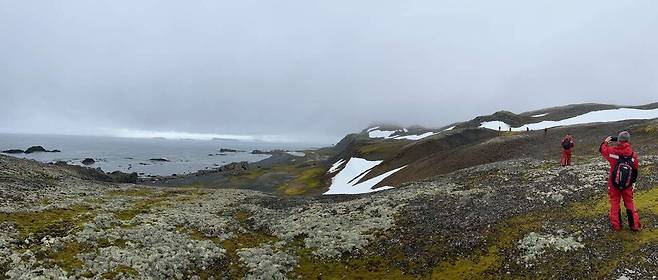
(30, 150)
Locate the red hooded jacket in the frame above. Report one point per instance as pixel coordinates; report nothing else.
(612, 153)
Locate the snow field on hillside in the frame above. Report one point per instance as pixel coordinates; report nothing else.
(346, 181)
(613, 115)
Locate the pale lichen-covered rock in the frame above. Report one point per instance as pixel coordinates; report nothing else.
(267, 261)
(535, 244)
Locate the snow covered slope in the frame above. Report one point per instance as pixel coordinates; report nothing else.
(345, 182)
(377, 133)
(612, 115)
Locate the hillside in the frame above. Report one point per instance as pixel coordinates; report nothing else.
(386, 155)
(522, 218)
(477, 142)
(462, 202)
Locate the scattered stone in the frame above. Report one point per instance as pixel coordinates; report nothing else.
(13, 151)
(159, 159)
(88, 161)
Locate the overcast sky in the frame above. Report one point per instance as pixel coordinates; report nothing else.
(312, 70)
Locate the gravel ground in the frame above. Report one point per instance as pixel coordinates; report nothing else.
(521, 218)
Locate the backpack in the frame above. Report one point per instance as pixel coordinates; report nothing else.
(623, 174)
(566, 144)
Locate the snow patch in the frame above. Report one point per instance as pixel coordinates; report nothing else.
(297, 154)
(495, 125)
(386, 134)
(336, 166)
(449, 128)
(540, 115)
(415, 137)
(345, 182)
(613, 115)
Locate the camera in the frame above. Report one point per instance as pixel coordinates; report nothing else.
(614, 138)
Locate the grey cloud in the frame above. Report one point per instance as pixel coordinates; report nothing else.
(313, 69)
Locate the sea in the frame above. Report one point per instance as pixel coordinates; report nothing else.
(135, 154)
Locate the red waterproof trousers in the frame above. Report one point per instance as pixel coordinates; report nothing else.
(566, 157)
(615, 212)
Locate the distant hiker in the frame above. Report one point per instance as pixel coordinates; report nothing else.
(499, 128)
(623, 173)
(567, 148)
(527, 129)
(510, 129)
(545, 131)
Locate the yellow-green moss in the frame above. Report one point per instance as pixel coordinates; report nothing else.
(651, 129)
(370, 267)
(383, 148)
(140, 207)
(102, 243)
(54, 222)
(67, 258)
(309, 180)
(468, 268)
(139, 192)
(126, 270)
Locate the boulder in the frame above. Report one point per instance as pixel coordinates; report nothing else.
(88, 161)
(121, 177)
(13, 151)
(159, 159)
(234, 168)
(35, 149)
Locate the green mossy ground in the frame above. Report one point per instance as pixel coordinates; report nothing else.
(121, 270)
(309, 181)
(54, 222)
(381, 150)
(499, 252)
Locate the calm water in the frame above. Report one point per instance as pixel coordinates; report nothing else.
(133, 155)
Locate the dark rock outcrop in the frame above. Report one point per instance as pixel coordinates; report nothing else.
(39, 149)
(121, 177)
(223, 150)
(88, 161)
(231, 169)
(35, 149)
(235, 168)
(13, 151)
(159, 159)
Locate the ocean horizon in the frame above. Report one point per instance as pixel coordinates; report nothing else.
(134, 154)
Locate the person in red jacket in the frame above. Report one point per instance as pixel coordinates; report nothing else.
(613, 154)
(567, 148)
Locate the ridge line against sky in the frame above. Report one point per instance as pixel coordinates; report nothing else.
(313, 70)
